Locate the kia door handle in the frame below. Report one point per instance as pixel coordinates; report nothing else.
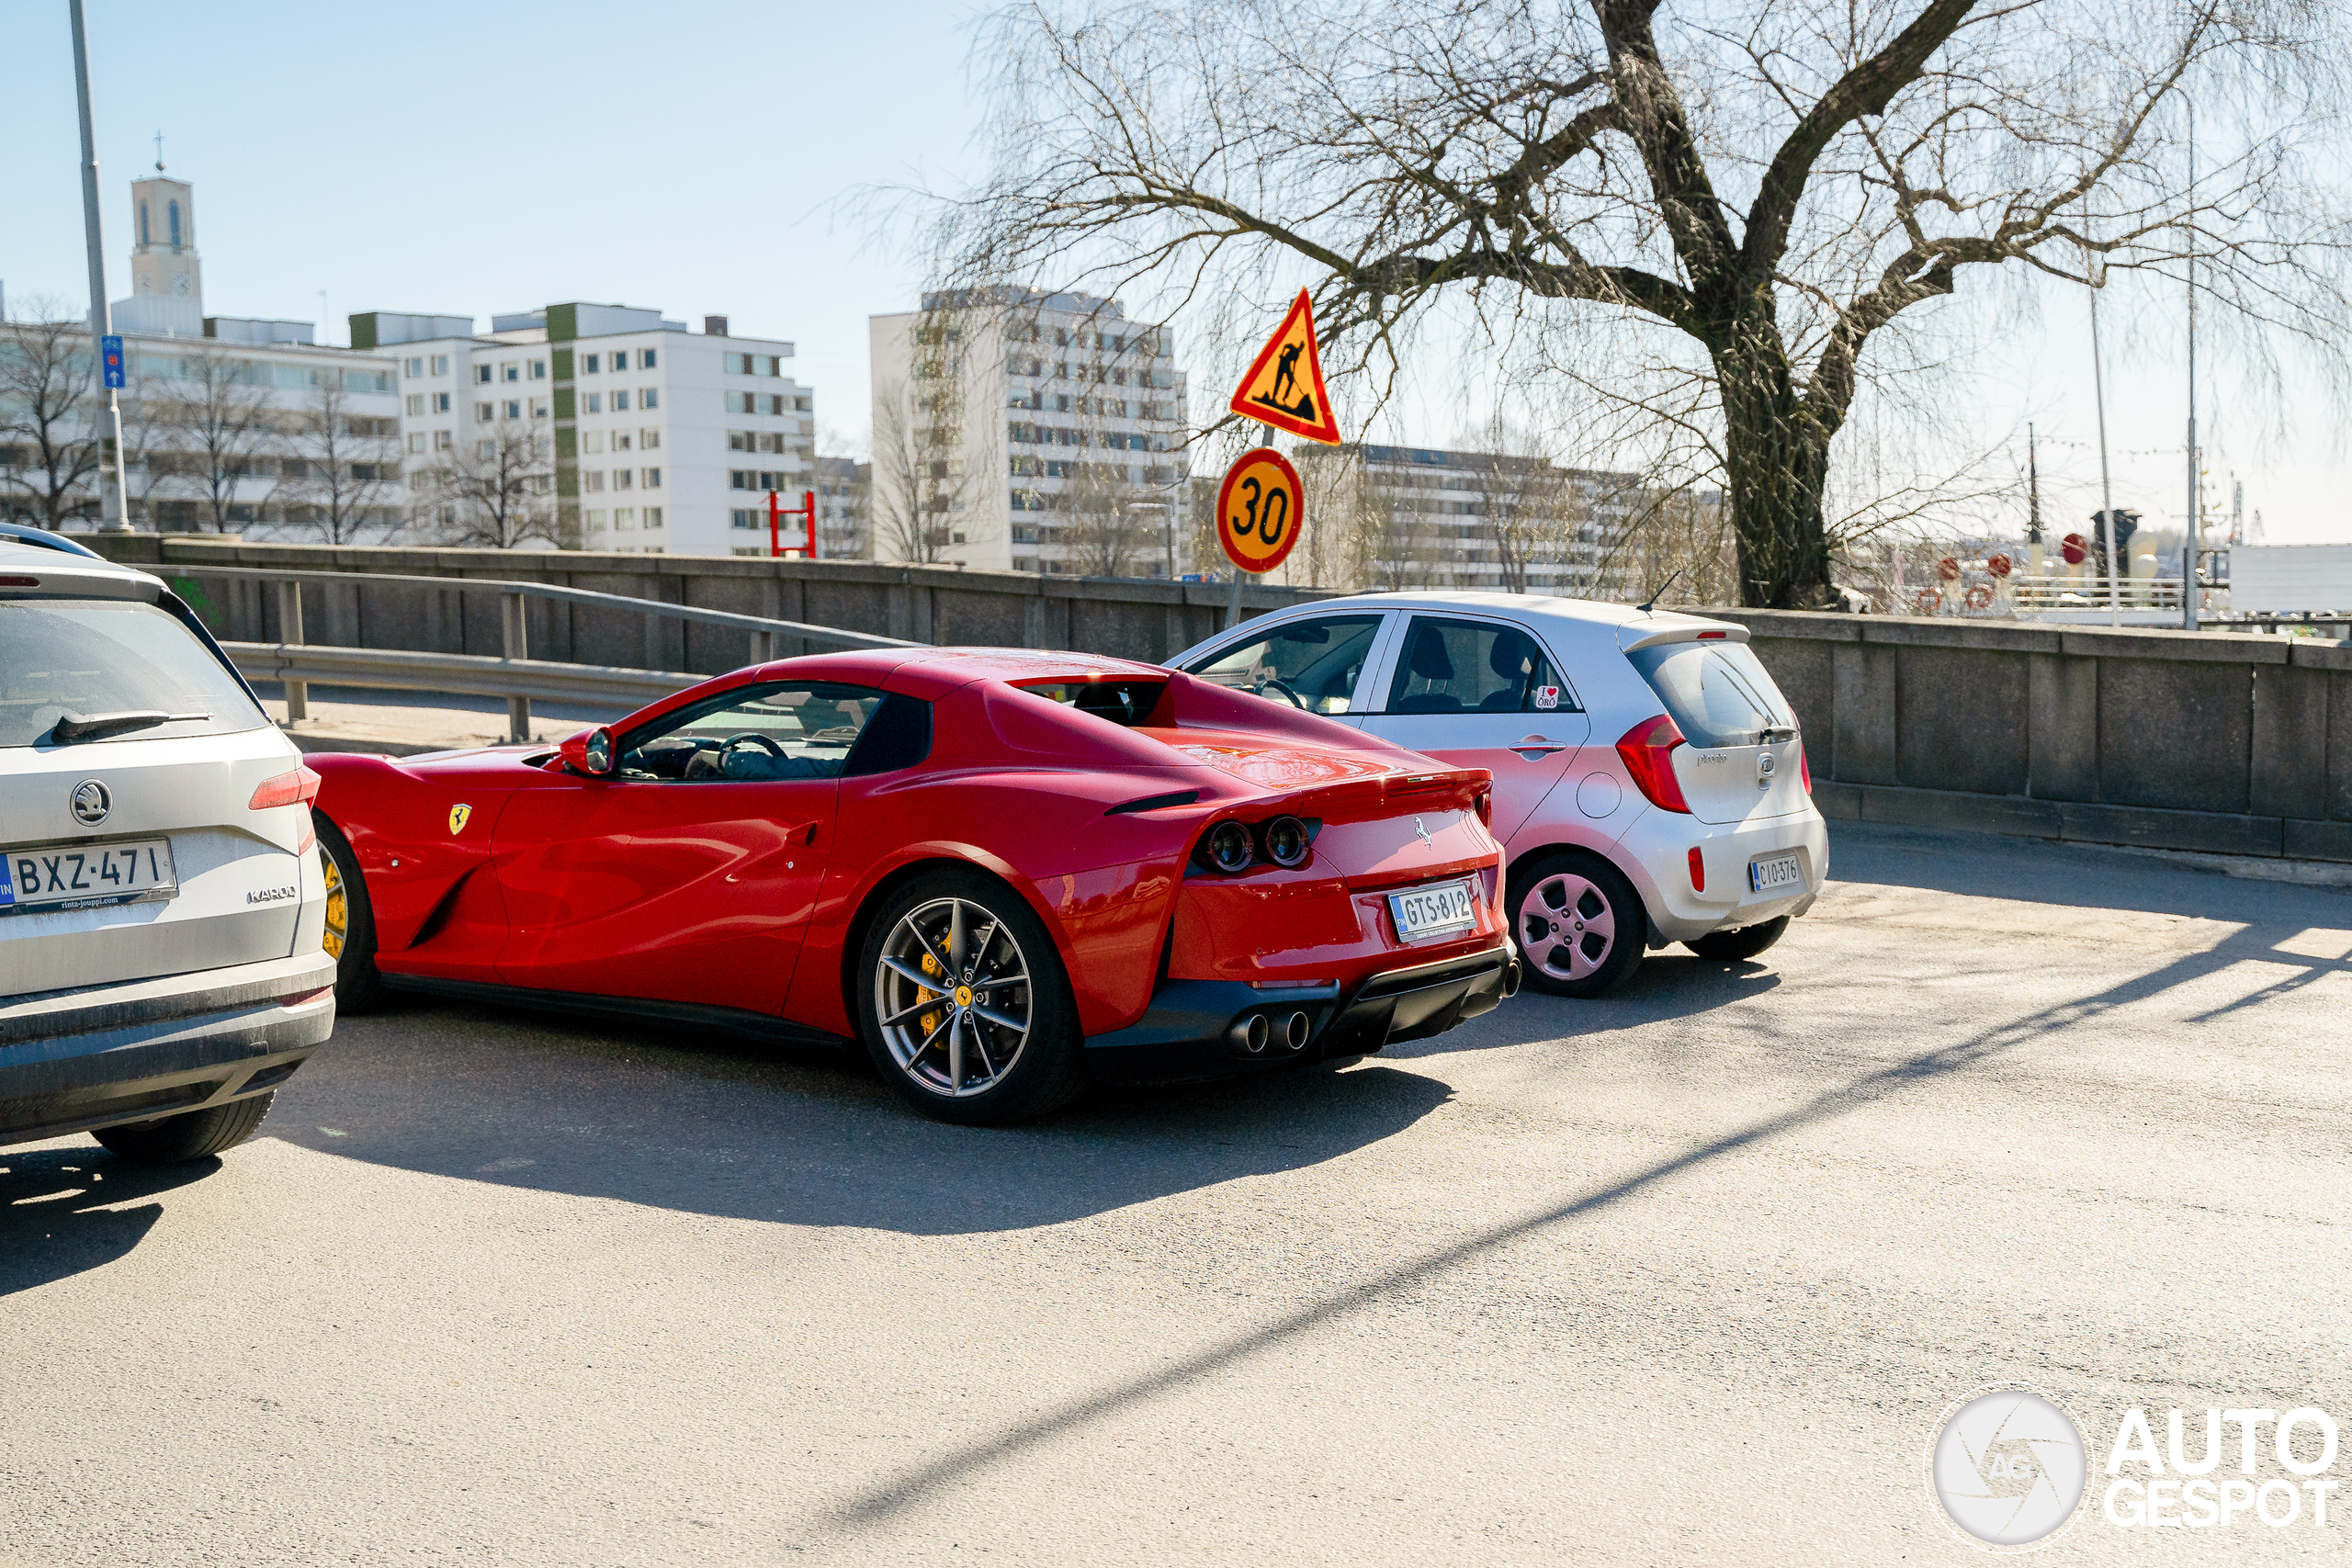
(1537, 743)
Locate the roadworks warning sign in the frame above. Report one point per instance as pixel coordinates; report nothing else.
(1284, 386)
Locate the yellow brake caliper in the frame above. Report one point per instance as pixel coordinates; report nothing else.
(929, 1021)
(338, 914)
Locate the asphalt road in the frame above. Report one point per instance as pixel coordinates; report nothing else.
(1688, 1275)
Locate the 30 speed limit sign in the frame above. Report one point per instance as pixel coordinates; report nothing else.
(1260, 509)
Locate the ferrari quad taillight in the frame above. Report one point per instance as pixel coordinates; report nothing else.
(1648, 752)
(1227, 848)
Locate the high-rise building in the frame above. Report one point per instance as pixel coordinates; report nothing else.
(1035, 431)
(652, 439)
(1456, 519)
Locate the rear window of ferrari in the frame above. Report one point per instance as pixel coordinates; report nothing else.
(1127, 703)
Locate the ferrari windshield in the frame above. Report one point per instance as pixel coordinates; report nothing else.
(799, 730)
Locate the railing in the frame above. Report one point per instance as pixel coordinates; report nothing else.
(1982, 595)
(515, 675)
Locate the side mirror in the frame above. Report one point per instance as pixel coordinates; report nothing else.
(589, 753)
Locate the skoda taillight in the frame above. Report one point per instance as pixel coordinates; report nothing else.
(1649, 750)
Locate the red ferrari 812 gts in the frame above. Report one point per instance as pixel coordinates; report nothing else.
(1006, 873)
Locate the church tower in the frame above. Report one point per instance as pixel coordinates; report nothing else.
(163, 260)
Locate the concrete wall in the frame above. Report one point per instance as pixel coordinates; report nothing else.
(2214, 741)
(1137, 619)
(2219, 742)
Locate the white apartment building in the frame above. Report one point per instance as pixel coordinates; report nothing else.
(1016, 422)
(659, 440)
(1442, 507)
(223, 415)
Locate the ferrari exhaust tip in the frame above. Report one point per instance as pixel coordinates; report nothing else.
(1251, 1033)
(1295, 1031)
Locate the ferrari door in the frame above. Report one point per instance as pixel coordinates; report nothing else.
(688, 873)
(1483, 694)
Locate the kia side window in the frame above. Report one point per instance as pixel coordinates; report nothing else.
(1475, 667)
(764, 734)
(1310, 664)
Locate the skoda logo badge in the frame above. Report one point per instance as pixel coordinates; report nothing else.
(91, 803)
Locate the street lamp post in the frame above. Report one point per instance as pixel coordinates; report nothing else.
(114, 519)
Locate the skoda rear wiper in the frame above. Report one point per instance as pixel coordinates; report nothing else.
(73, 727)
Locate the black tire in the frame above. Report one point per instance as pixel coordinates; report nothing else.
(351, 925)
(925, 1055)
(1579, 925)
(193, 1134)
(1745, 941)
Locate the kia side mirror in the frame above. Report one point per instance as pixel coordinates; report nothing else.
(589, 753)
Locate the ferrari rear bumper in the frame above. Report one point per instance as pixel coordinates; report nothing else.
(1213, 1029)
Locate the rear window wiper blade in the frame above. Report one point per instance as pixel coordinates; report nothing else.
(73, 727)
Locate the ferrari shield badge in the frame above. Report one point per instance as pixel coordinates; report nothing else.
(458, 814)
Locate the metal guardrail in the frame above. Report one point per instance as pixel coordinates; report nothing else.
(516, 675)
(478, 674)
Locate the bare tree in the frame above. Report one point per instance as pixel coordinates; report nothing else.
(1735, 202)
(498, 493)
(919, 478)
(1523, 498)
(48, 469)
(342, 470)
(223, 433)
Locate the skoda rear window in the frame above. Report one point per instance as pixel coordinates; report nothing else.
(83, 660)
(1716, 692)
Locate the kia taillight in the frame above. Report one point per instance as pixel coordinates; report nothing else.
(1805, 768)
(1649, 750)
(1698, 871)
(297, 788)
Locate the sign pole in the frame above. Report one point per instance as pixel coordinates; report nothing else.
(1233, 598)
(775, 528)
(114, 519)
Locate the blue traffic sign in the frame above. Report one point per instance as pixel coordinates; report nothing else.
(110, 355)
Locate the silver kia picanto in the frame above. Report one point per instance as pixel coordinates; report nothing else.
(1650, 782)
(163, 909)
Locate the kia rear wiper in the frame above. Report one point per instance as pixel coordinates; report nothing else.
(73, 727)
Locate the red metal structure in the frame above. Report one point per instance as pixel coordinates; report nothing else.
(777, 513)
(1006, 872)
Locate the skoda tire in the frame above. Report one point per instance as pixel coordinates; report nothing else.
(192, 1134)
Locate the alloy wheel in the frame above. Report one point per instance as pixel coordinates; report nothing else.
(1565, 926)
(952, 996)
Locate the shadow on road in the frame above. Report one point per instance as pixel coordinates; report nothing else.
(717, 1126)
(2081, 877)
(59, 1214)
(1664, 986)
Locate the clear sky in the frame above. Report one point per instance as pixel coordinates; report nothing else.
(707, 158)
(480, 158)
